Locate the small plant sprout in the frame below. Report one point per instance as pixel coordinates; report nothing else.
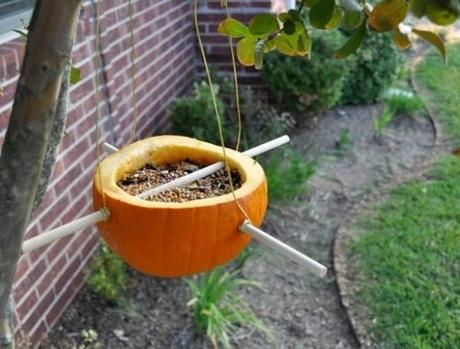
(218, 308)
(344, 142)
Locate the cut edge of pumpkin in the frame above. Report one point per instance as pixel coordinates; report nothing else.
(174, 148)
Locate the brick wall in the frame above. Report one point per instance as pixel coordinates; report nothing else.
(48, 278)
(216, 45)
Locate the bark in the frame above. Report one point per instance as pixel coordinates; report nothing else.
(55, 139)
(30, 129)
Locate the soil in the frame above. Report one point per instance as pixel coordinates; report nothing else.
(302, 310)
(151, 176)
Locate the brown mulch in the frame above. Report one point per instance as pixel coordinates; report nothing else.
(151, 176)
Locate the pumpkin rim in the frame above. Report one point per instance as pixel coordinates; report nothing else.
(250, 171)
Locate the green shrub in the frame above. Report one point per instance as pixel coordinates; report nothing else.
(218, 309)
(194, 115)
(287, 173)
(106, 275)
(308, 84)
(261, 122)
(375, 67)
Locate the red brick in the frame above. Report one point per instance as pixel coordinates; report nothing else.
(27, 304)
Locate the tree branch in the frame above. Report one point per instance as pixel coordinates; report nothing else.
(30, 129)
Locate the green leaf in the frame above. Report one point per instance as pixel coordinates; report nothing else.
(303, 44)
(434, 40)
(310, 3)
(353, 43)
(335, 19)
(401, 40)
(293, 45)
(283, 17)
(259, 54)
(417, 7)
(245, 50)
(263, 24)
(23, 32)
(321, 13)
(351, 19)
(294, 16)
(289, 27)
(74, 75)
(233, 28)
(442, 12)
(387, 14)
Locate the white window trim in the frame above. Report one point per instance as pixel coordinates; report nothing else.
(291, 4)
(14, 21)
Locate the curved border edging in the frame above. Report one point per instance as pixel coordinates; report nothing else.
(358, 316)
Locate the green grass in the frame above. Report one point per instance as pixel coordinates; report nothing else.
(441, 85)
(410, 260)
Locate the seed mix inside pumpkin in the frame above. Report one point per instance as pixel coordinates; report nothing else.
(151, 176)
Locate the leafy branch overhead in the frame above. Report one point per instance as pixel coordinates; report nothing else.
(288, 32)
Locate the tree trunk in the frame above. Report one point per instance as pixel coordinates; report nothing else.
(30, 130)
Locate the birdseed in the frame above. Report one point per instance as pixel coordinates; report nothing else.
(151, 176)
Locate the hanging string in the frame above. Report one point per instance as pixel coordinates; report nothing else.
(235, 79)
(98, 110)
(216, 110)
(133, 71)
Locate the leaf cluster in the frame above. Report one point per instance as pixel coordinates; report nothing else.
(288, 33)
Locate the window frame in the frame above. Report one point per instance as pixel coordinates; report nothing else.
(15, 20)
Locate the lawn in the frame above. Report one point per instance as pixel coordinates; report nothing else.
(440, 88)
(410, 252)
(410, 257)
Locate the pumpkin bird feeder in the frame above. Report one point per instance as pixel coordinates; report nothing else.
(177, 238)
(171, 239)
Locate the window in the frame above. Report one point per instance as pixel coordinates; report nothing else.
(14, 13)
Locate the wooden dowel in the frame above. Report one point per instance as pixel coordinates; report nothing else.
(109, 148)
(64, 230)
(304, 261)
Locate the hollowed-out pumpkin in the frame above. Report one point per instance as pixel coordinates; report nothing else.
(176, 239)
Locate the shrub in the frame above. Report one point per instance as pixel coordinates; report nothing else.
(106, 275)
(194, 115)
(308, 84)
(218, 309)
(375, 68)
(261, 122)
(287, 173)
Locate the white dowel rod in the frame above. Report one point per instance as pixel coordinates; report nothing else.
(309, 264)
(263, 148)
(109, 148)
(60, 232)
(206, 171)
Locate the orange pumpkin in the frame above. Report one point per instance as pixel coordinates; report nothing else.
(176, 239)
